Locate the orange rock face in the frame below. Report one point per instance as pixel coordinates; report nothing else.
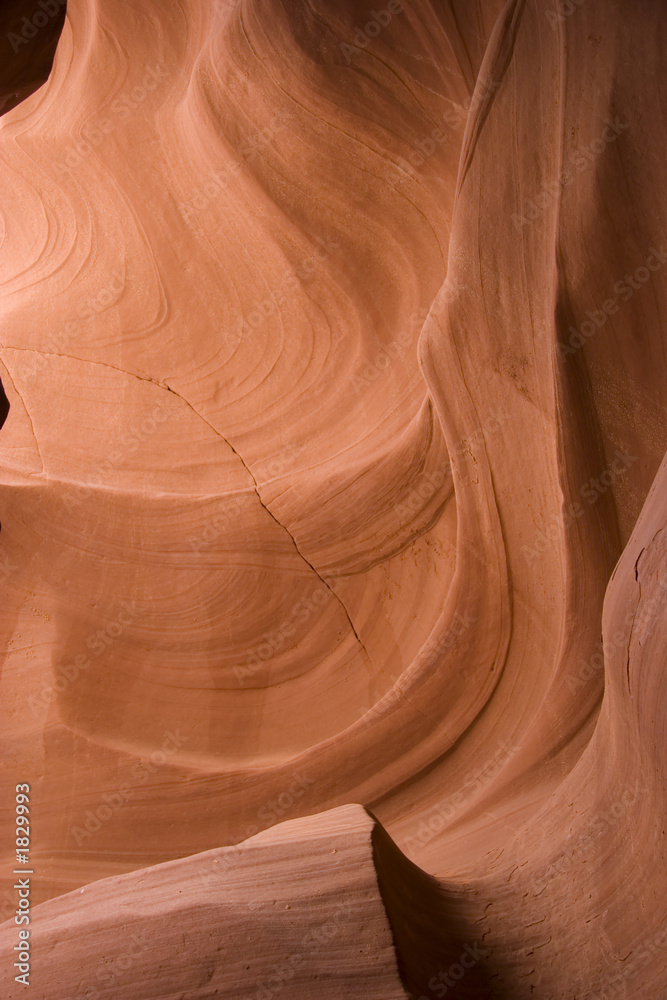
(333, 352)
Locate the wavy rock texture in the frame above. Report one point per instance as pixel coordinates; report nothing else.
(333, 343)
(296, 908)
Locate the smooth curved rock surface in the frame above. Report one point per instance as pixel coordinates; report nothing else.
(334, 464)
(296, 909)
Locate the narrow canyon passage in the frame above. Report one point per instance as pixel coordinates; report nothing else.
(332, 550)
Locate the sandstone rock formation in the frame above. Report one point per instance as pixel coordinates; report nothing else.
(333, 340)
(305, 895)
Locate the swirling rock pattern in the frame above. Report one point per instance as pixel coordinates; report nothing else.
(333, 344)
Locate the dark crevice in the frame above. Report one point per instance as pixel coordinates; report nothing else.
(4, 404)
(437, 949)
(27, 47)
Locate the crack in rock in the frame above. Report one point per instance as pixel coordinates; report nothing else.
(168, 388)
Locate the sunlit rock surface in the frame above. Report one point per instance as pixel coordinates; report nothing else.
(333, 340)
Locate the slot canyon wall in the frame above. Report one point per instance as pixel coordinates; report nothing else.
(333, 563)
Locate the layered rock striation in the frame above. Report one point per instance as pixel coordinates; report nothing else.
(333, 472)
